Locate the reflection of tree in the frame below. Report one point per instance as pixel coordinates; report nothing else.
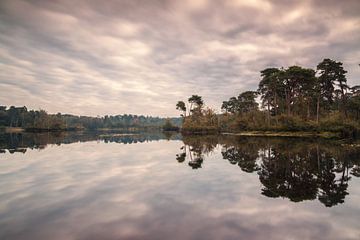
(306, 171)
(290, 168)
(331, 190)
(195, 148)
(355, 171)
(243, 154)
(20, 150)
(169, 135)
(354, 163)
(286, 175)
(196, 162)
(181, 157)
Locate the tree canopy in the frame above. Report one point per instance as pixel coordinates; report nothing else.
(292, 98)
(40, 119)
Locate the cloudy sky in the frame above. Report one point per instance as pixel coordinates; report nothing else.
(141, 56)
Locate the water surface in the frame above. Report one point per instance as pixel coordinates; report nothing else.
(155, 186)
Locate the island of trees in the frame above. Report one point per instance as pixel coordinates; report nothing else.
(293, 99)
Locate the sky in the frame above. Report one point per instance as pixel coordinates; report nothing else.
(142, 56)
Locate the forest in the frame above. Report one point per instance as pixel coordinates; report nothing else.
(40, 120)
(287, 99)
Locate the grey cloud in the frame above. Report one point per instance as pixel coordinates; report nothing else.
(112, 188)
(143, 56)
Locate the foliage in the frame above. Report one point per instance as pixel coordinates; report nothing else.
(254, 120)
(292, 99)
(41, 120)
(169, 126)
(244, 103)
(182, 107)
(203, 121)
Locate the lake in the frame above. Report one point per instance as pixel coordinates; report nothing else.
(166, 186)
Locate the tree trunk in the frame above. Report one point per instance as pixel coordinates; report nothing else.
(287, 99)
(318, 156)
(191, 158)
(308, 111)
(343, 102)
(275, 107)
(268, 105)
(317, 109)
(344, 107)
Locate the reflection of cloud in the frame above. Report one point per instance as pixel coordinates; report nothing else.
(98, 57)
(112, 191)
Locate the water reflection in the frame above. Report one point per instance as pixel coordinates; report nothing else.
(219, 187)
(295, 169)
(20, 142)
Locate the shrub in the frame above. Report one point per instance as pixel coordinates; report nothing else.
(168, 126)
(294, 123)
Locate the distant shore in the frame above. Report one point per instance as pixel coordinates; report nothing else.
(41, 130)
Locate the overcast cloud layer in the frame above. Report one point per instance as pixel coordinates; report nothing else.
(140, 57)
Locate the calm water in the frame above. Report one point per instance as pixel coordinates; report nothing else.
(152, 186)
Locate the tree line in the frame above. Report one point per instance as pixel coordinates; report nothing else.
(20, 142)
(294, 97)
(40, 119)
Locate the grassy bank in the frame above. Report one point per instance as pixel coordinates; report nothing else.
(200, 130)
(285, 134)
(339, 132)
(331, 125)
(257, 124)
(11, 129)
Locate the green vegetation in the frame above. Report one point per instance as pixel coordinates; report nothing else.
(169, 126)
(293, 99)
(200, 119)
(20, 117)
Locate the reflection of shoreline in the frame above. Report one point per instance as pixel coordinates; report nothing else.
(296, 169)
(118, 134)
(20, 142)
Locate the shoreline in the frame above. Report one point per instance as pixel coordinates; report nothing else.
(36, 130)
(12, 129)
(296, 134)
(300, 134)
(99, 130)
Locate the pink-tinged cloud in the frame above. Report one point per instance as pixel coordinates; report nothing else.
(140, 57)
